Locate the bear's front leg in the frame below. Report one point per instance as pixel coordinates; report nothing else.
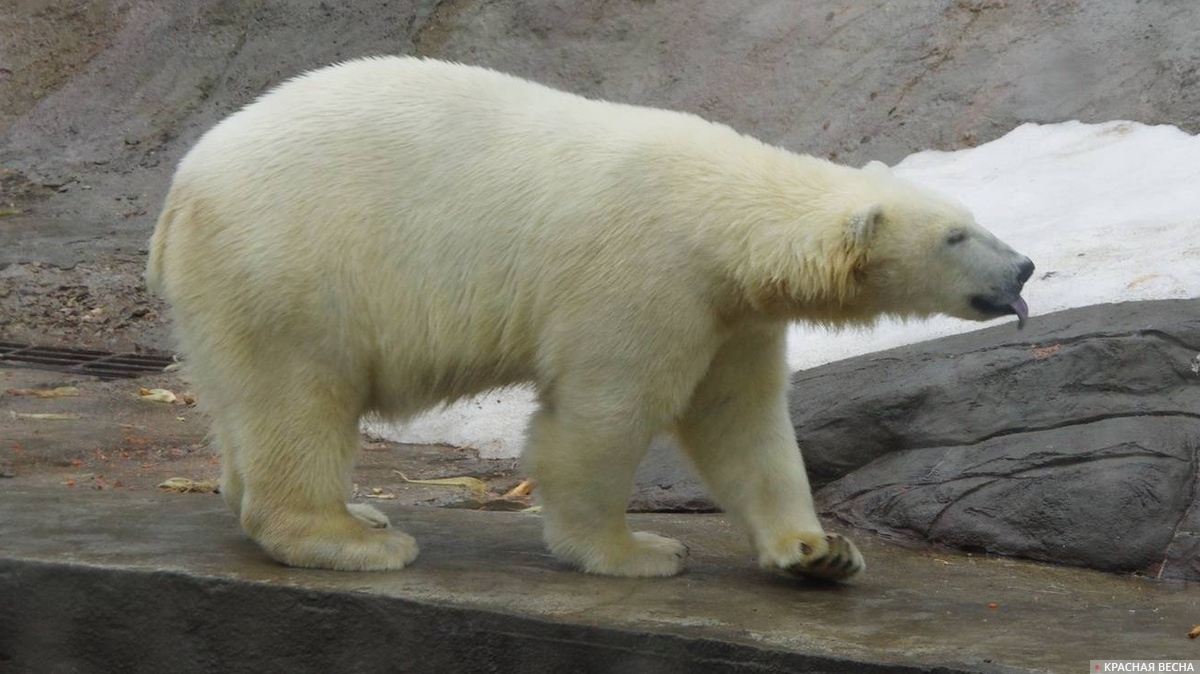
(739, 435)
(584, 473)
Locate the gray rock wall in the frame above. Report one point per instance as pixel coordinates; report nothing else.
(850, 79)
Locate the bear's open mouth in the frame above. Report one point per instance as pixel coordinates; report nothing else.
(989, 307)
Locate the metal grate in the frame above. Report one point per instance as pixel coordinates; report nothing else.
(83, 361)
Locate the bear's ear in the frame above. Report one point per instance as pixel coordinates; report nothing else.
(861, 226)
(877, 167)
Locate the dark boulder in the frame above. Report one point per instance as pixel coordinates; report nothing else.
(1105, 494)
(1074, 441)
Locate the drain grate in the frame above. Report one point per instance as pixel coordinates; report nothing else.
(83, 361)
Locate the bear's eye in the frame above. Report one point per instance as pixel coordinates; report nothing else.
(956, 237)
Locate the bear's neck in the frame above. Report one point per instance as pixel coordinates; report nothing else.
(777, 223)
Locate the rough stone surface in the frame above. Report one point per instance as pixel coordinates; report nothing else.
(1075, 441)
(666, 482)
(1106, 494)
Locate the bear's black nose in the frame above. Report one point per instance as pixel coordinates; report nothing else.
(1026, 269)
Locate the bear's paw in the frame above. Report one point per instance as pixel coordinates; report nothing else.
(821, 556)
(361, 540)
(638, 555)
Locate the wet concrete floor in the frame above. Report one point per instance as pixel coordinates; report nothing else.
(484, 578)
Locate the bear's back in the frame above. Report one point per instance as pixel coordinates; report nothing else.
(425, 163)
(385, 110)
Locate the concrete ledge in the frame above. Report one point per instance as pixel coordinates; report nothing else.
(119, 582)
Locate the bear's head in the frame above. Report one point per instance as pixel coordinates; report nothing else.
(915, 253)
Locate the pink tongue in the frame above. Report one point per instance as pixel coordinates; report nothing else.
(1022, 311)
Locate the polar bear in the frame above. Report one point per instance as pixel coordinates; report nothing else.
(389, 234)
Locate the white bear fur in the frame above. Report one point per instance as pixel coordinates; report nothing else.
(389, 234)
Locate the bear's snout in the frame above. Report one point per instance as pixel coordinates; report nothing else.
(1006, 299)
(1024, 271)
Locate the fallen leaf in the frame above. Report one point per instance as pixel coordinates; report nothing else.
(378, 492)
(157, 395)
(1045, 351)
(60, 392)
(46, 417)
(473, 483)
(188, 398)
(1194, 632)
(522, 490)
(173, 367)
(184, 485)
(1141, 279)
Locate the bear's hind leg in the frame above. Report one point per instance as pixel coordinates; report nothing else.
(584, 475)
(295, 460)
(232, 488)
(739, 436)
